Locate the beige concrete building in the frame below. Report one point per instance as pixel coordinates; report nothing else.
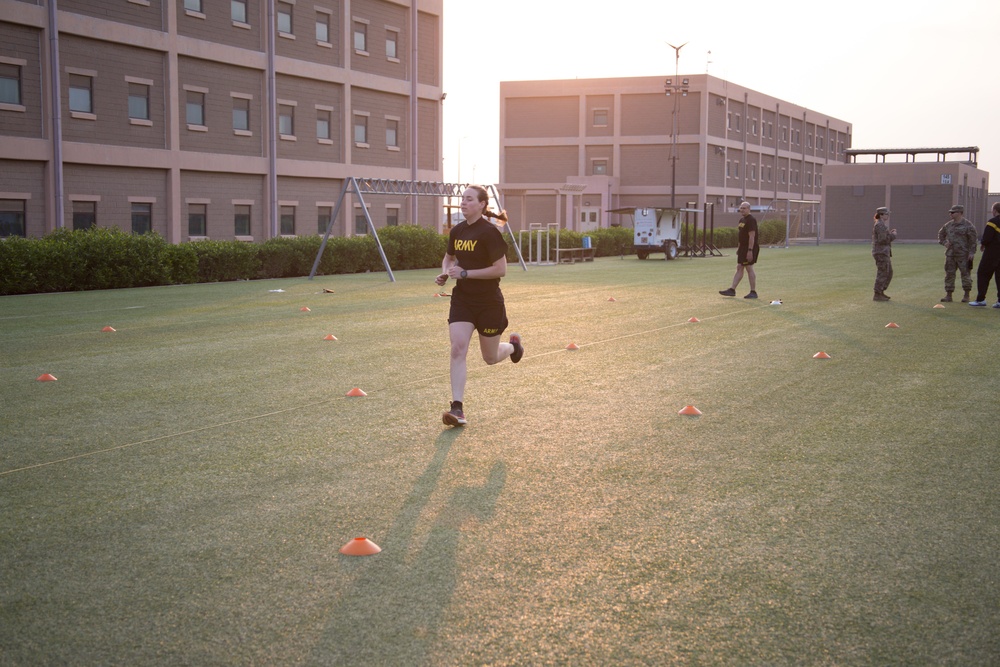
(572, 150)
(205, 119)
(918, 185)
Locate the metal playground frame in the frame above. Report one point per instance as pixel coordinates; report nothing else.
(382, 186)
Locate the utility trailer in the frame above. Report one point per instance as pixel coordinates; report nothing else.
(655, 230)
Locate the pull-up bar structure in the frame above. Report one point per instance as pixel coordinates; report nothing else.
(383, 186)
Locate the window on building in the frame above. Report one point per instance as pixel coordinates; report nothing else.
(324, 218)
(197, 219)
(360, 37)
(12, 221)
(138, 101)
(241, 219)
(600, 117)
(286, 120)
(360, 223)
(84, 214)
(195, 108)
(392, 217)
(192, 5)
(286, 216)
(142, 217)
(10, 83)
(238, 10)
(360, 129)
(600, 167)
(753, 127)
(322, 27)
(392, 133)
(284, 10)
(753, 173)
(784, 134)
(323, 124)
(392, 44)
(241, 114)
(81, 93)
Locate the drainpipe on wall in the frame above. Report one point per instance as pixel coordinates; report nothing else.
(414, 100)
(272, 120)
(56, 94)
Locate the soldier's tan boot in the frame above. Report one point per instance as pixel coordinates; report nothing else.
(947, 297)
(965, 299)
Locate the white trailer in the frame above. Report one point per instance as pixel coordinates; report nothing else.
(655, 230)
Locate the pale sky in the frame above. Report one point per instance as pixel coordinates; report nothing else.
(904, 73)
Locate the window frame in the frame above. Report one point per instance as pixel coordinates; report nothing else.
(136, 210)
(197, 213)
(15, 76)
(73, 83)
(12, 216)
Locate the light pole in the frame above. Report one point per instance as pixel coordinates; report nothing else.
(671, 88)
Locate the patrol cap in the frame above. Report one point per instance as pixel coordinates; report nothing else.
(957, 208)
(882, 210)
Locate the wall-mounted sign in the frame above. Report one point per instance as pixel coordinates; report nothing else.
(945, 179)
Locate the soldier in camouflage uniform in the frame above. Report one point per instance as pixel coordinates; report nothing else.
(959, 237)
(882, 238)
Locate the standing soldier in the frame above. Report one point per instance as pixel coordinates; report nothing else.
(959, 238)
(882, 238)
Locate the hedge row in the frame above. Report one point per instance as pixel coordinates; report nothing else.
(104, 258)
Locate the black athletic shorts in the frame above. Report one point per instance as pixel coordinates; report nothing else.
(489, 319)
(741, 256)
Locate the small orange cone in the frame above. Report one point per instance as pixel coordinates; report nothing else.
(305, 309)
(892, 325)
(360, 546)
(46, 377)
(821, 355)
(694, 319)
(108, 330)
(611, 298)
(356, 392)
(330, 337)
(938, 305)
(572, 346)
(689, 410)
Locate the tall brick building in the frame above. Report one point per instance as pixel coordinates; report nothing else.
(571, 150)
(221, 119)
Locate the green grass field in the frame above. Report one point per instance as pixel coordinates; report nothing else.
(180, 494)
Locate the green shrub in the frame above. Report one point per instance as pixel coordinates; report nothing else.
(221, 261)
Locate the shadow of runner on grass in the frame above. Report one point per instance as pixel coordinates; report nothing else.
(391, 613)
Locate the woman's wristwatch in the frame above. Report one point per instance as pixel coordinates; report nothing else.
(463, 274)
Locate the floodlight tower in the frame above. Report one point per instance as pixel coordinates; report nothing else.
(671, 88)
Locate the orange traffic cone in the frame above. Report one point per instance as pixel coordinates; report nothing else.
(821, 355)
(108, 329)
(356, 392)
(572, 346)
(330, 337)
(689, 410)
(694, 319)
(360, 546)
(892, 325)
(46, 377)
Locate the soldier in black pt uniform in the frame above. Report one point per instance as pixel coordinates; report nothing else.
(477, 259)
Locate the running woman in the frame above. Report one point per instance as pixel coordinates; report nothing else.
(477, 259)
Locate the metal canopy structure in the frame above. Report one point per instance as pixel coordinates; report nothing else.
(911, 154)
(384, 186)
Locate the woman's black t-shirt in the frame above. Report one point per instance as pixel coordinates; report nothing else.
(477, 246)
